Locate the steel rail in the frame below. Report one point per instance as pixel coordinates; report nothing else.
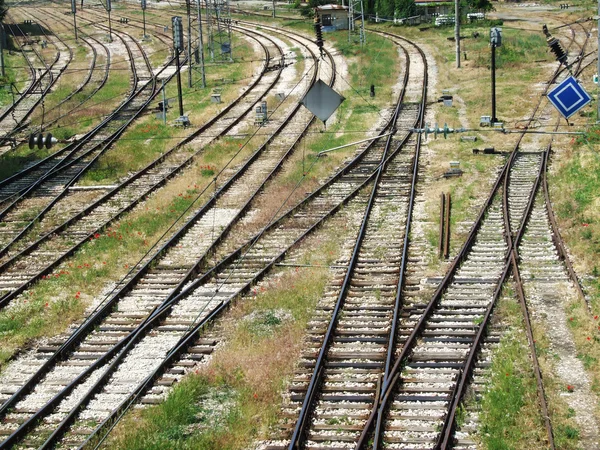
(43, 90)
(393, 376)
(511, 264)
(36, 82)
(103, 147)
(12, 294)
(92, 320)
(76, 146)
(145, 326)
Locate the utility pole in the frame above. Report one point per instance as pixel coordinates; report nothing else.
(144, 18)
(2, 51)
(108, 8)
(164, 95)
(189, 43)
(495, 41)
(74, 10)
(178, 46)
(201, 45)
(457, 31)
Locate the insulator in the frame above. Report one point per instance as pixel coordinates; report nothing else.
(545, 30)
(318, 32)
(558, 50)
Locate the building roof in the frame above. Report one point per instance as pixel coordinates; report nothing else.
(332, 7)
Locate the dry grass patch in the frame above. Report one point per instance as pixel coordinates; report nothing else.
(263, 339)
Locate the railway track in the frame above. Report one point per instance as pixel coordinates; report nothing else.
(21, 211)
(273, 242)
(346, 390)
(13, 116)
(161, 278)
(345, 350)
(108, 130)
(444, 388)
(63, 240)
(92, 83)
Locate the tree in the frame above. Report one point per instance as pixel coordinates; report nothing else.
(480, 5)
(3, 10)
(405, 8)
(309, 11)
(385, 8)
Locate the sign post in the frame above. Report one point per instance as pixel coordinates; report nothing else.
(569, 97)
(495, 41)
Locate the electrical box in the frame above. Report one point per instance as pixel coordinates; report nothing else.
(143, 4)
(496, 36)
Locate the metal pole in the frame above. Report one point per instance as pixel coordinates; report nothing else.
(179, 94)
(598, 89)
(457, 31)
(274, 8)
(144, 20)
(75, 25)
(2, 50)
(109, 28)
(164, 103)
(201, 45)
(362, 24)
(74, 12)
(494, 120)
(189, 44)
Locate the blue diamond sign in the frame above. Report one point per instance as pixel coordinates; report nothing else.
(569, 97)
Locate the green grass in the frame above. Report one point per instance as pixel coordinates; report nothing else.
(61, 297)
(236, 398)
(509, 417)
(149, 138)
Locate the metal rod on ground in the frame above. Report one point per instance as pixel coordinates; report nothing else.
(201, 44)
(447, 227)
(189, 43)
(351, 143)
(457, 31)
(442, 215)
